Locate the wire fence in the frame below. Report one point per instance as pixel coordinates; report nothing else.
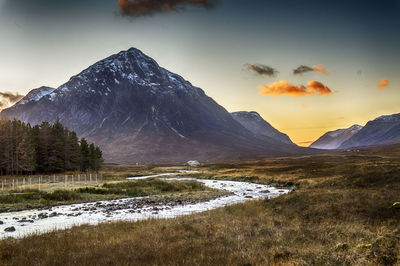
(50, 182)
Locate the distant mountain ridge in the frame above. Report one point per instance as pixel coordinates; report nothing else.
(382, 130)
(256, 124)
(333, 139)
(137, 111)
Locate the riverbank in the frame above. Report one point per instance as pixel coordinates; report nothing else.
(19, 200)
(218, 194)
(340, 214)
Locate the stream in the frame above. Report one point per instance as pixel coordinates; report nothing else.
(23, 223)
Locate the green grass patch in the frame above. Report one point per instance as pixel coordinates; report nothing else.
(33, 198)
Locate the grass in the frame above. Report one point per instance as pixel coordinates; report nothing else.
(340, 214)
(28, 199)
(115, 172)
(146, 187)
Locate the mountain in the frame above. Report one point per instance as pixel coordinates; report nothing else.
(333, 139)
(380, 131)
(137, 111)
(35, 95)
(253, 122)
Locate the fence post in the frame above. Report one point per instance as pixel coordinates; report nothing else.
(2, 185)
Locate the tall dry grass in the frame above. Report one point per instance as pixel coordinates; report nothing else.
(340, 214)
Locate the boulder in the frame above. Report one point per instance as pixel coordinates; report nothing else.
(10, 229)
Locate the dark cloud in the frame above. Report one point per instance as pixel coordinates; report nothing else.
(149, 7)
(9, 98)
(262, 69)
(304, 69)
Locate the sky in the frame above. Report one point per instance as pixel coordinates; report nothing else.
(306, 66)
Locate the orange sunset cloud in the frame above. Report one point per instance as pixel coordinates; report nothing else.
(318, 87)
(383, 83)
(285, 88)
(320, 68)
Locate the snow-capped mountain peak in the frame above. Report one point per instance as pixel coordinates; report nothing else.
(388, 118)
(35, 95)
(138, 111)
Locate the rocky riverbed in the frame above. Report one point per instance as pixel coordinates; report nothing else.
(23, 223)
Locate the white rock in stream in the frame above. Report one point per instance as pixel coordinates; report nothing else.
(63, 217)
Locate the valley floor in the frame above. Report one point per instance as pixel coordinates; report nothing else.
(340, 213)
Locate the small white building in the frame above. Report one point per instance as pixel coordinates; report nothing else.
(193, 163)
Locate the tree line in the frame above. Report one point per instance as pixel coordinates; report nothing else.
(44, 148)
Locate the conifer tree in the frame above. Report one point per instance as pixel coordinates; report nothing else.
(44, 148)
(84, 155)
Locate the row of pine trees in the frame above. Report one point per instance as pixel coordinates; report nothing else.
(45, 148)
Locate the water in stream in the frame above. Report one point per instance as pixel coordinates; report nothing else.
(131, 209)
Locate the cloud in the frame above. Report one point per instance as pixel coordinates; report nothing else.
(318, 87)
(304, 69)
(320, 68)
(383, 84)
(262, 69)
(285, 88)
(305, 142)
(149, 7)
(9, 98)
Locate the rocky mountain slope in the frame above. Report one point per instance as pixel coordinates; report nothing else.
(380, 131)
(137, 111)
(333, 139)
(253, 122)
